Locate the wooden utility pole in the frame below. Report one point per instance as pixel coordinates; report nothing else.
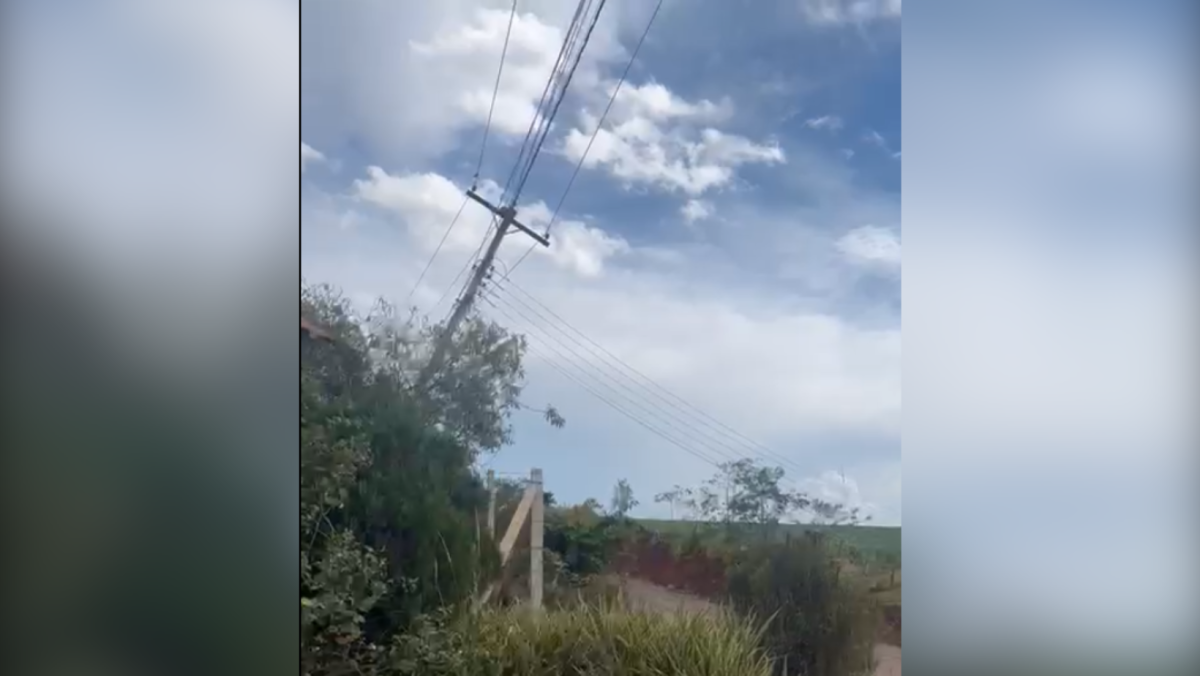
(508, 218)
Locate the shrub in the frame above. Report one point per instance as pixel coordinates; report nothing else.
(819, 623)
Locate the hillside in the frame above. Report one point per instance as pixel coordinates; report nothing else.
(872, 541)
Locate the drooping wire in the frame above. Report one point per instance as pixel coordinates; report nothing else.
(698, 417)
(627, 412)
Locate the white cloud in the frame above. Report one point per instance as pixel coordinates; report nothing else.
(694, 211)
(655, 138)
(873, 246)
(427, 203)
(796, 370)
(416, 75)
(841, 12)
(308, 155)
(532, 51)
(824, 122)
(874, 138)
(654, 101)
(839, 488)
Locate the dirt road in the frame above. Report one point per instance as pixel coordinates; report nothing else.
(645, 596)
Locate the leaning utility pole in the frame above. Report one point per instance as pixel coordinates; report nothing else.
(508, 218)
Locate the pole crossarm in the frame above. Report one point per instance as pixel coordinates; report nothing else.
(509, 215)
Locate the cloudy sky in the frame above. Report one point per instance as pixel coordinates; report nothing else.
(732, 241)
(734, 236)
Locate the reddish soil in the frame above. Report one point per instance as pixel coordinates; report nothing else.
(655, 561)
(659, 580)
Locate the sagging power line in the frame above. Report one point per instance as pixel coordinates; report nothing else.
(683, 410)
(618, 390)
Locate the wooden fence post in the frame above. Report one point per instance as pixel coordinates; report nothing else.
(536, 531)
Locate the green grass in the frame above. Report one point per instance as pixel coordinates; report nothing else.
(871, 541)
(600, 639)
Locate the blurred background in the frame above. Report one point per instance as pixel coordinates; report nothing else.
(149, 475)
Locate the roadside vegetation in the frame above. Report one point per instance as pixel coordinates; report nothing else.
(394, 552)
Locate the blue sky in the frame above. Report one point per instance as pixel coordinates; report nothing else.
(1046, 331)
(754, 273)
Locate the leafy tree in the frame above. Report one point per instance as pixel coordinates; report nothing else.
(832, 514)
(390, 504)
(742, 492)
(755, 493)
(473, 395)
(745, 492)
(622, 500)
(674, 497)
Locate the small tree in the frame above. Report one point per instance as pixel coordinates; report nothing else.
(832, 514)
(622, 500)
(677, 495)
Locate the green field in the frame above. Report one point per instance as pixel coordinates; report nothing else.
(871, 541)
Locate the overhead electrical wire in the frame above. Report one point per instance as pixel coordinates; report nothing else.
(732, 440)
(693, 437)
(512, 15)
(440, 244)
(470, 262)
(554, 364)
(487, 127)
(595, 132)
(544, 113)
(615, 387)
(558, 100)
(555, 73)
(502, 299)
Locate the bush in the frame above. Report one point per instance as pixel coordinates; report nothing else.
(591, 640)
(819, 623)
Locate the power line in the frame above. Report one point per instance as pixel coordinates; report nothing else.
(559, 86)
(568, 41)
(437, 250)
(487, 127)
(667, 397)
(537, 352)
(506, 215)
(685, 428)
(596, 132)
(564, 49)
(688, 444)
(512, 15)
(466, 266)
(618, 388)
(559, 100)
(555, 72)
(627, 393)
